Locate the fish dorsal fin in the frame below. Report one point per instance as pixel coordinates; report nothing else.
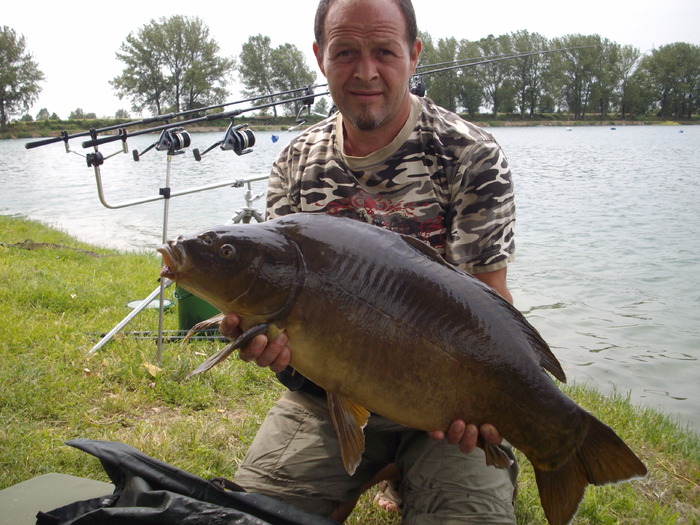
(546, 358)
(428, 251)
(349, 420)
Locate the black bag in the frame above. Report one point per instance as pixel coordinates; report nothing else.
(151, 491)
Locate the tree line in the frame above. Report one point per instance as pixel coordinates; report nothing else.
(587, 74)
(173, 64)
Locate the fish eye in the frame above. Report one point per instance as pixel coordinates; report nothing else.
(227, 251)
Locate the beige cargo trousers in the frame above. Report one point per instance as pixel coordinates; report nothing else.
(295, 457)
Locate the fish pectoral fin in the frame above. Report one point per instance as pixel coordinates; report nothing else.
(203, 325)
(226, 351)
(349, 420)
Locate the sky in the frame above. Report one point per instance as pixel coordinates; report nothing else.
(75, 47)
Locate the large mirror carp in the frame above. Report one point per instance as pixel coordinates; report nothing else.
(385, 325)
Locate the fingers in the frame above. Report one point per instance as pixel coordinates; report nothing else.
(467, 436)
(229, 326)
(273, 354)
(490, 434)
(463, 435)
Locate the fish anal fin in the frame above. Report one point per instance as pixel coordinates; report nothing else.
(222, 354)
(602, 458)
(349, 420)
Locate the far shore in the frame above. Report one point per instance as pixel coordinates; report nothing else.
(48, 128)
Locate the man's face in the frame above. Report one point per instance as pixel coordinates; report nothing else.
(368, 62)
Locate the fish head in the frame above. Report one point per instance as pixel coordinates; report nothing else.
(250, 270)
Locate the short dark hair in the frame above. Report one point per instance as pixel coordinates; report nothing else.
(405, 6)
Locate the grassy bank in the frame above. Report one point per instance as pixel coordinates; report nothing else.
(58, 295)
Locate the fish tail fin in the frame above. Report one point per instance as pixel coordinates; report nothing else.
(602, 458)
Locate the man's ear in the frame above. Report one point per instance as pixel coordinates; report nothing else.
(415, 52)
(319, 58)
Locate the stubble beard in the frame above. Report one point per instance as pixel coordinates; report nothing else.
(365, 120)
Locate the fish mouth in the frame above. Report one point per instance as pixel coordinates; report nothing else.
(173, 260)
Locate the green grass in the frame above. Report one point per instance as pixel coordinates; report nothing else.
(57, 296)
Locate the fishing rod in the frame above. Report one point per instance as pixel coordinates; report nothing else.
(498, 58)
(418, 86)
(215, 116)
(308, 95)
(65, 136)
(459, 60)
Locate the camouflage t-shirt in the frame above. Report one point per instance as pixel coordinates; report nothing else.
(442, 180)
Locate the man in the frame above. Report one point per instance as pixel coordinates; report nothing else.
(400, 162)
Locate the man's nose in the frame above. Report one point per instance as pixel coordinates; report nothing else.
(366, 68)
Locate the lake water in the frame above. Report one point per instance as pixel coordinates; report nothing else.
(608, 236)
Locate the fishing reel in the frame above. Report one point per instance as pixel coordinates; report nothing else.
(238, 139)
(306, 102)
(418, 86)
(172, 140)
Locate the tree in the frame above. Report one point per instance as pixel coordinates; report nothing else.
(608, 77)
(674, 72)
(629, 89)
(79, 114)
(19, 76)
(321, 107)
(496, 76)
(255, 68)
(444, 87)
(471, 93)
(527, 71)
(264, 71)
(576, 69)
(43, 114)
(121, 113)
(173, 64)
(290, 72)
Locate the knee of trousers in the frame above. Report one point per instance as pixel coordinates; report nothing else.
(442, 485)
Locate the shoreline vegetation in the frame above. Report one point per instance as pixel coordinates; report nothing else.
(53, 128)
(58, 296)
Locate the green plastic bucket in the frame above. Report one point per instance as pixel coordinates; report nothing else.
(191, 309)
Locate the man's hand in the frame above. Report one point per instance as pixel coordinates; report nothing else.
(466, 436)
(273, 354)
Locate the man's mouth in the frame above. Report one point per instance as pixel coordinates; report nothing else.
(365, 95)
